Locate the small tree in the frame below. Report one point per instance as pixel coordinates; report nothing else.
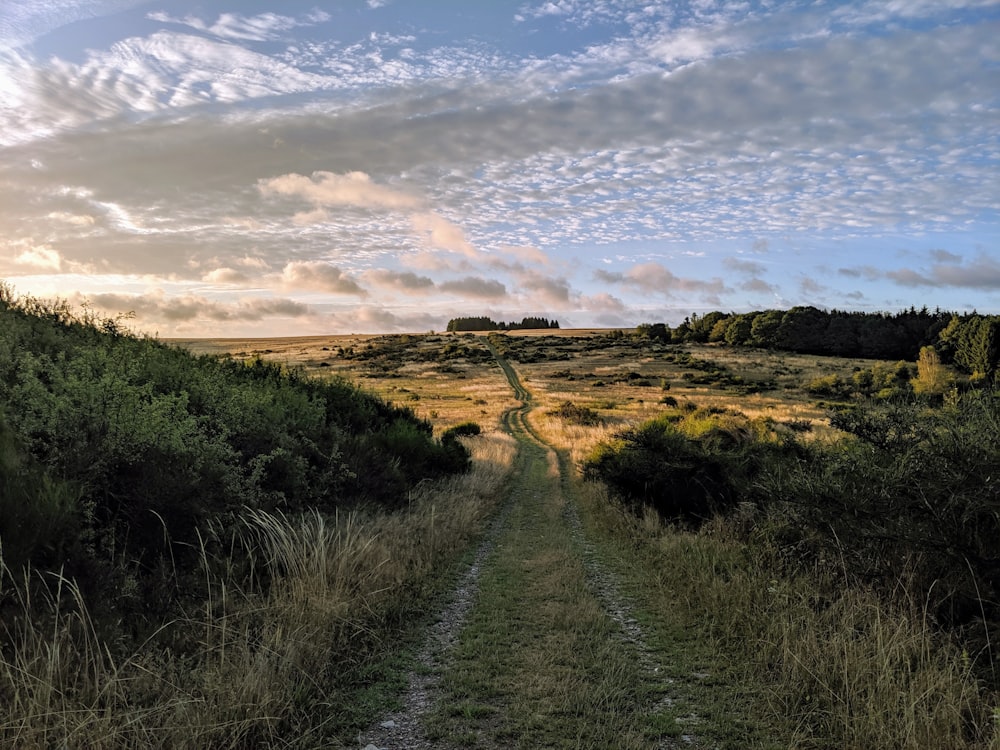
(933, 378)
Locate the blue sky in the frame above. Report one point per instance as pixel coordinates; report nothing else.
(263, 168)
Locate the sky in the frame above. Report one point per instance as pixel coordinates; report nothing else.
(263, 168)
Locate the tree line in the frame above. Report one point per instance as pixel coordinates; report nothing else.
(970, 342)
(482, 323)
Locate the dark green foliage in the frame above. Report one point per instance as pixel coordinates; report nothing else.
(683, 478)
(908, 502)
(808, 330)
(118, 447)
(654, 331)
(458, 456)
(39, 516)
(972, 343)
(913, 501)
(463, 429)
(483, 323)
(576, 414)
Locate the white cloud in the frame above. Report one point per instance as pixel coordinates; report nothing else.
(39, 258)
(472, 286)
(236, 26)
(325, 189)
(437, 232)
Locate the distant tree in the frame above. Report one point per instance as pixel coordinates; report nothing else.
(842, 334)
(718, 332)
(933, 378)
(803, 329)
(739, 329)
(973, 343)
(659, 332)
(701, 327)
(682, 333)
(764, 329)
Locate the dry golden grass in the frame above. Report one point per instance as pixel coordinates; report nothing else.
(448, 391)
(855, 672)
(270, 661)
(445, 391)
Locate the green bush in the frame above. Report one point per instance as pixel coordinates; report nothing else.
(685, 468)
(119, 448)
(581, 415)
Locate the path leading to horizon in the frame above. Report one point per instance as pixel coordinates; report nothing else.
(538, 647)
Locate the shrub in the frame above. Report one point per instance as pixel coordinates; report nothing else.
(581, 415)
(686, 468)
(911, 500)
(463, 429)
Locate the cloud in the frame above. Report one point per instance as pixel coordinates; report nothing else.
(77, 220)
(550, 292)
(156, 307)
(758, 286)
(319, 276)
(226, 276)
(473, 286)
(405, 281)
(259, 28)
(810, 286)
(653, 278)
(140, 155)
(870, 273)
(602, 302)
(371, 319)
(749, 267)
(437, 232)
(526, 253)
(327, 189)
(979, 273)
(39, 258)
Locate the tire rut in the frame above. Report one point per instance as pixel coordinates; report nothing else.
(404, 729)
(604, 584)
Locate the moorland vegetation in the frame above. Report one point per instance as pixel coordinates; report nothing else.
(196, 550)
(173, 525)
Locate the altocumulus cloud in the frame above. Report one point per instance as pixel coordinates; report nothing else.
(474, 286)
(319, 276)
(327, 189)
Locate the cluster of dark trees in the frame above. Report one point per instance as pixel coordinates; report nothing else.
(970, 342)
(483, 323)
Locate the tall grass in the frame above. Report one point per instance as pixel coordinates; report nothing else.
(841, 666)
(268, 657)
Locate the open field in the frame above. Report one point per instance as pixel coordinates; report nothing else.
(449, 378)
(767, 617)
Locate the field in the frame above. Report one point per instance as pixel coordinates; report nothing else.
(449, 378)
(778, 550)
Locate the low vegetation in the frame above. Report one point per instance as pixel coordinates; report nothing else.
(201, 551)
(216, 551)
(885, 542)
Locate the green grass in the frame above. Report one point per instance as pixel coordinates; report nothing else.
(538, 663)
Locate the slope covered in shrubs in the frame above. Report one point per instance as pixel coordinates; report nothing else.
(119, 453)
(907, 503)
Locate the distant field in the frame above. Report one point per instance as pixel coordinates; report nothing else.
(451, 377)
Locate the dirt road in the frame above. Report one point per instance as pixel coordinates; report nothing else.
(538, 648)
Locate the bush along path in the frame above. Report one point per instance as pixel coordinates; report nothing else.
(550, 653)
